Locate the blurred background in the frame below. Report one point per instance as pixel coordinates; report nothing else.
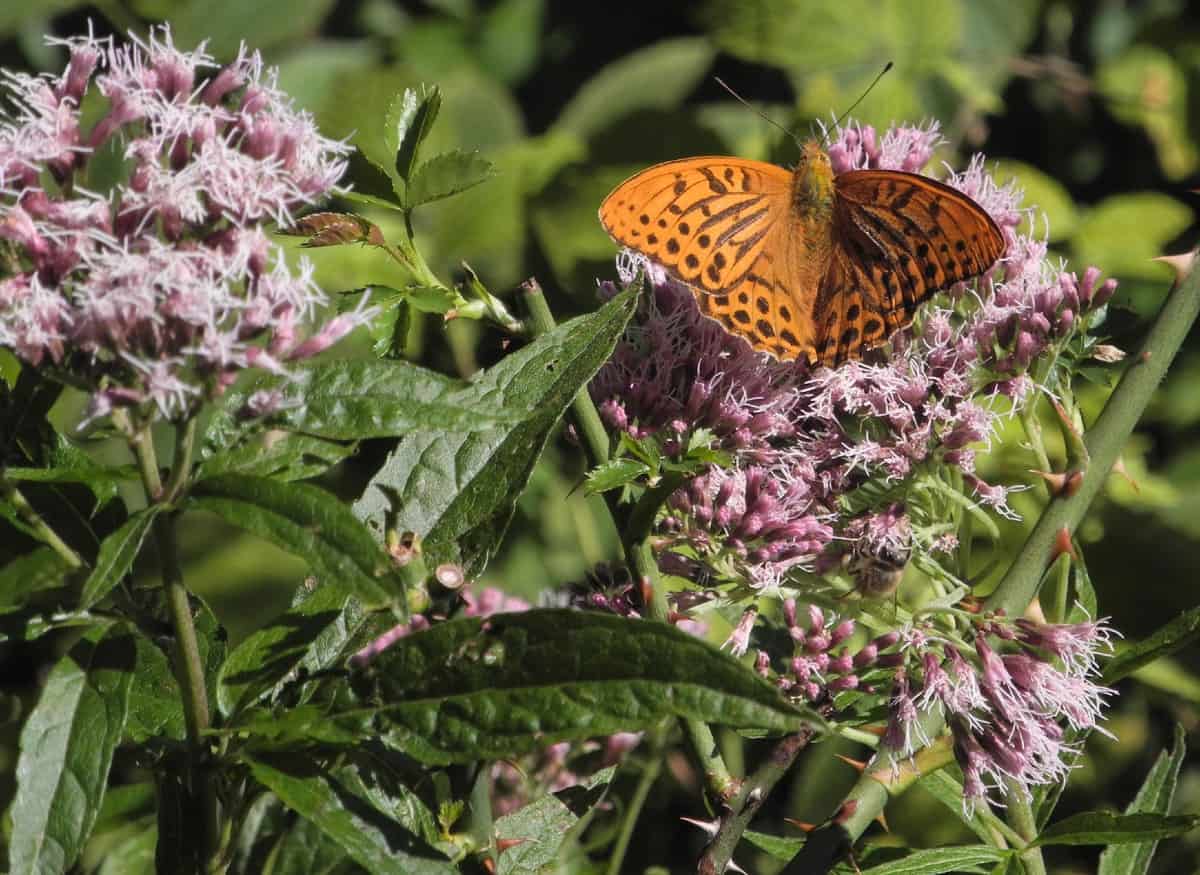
(1091, 106)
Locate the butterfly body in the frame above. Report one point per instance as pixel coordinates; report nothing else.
(803, 264)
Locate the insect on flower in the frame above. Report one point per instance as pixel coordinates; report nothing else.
(804, 264)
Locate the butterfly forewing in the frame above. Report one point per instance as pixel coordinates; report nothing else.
(705, 220)
(721, 225)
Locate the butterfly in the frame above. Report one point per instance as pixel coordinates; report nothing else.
(803, 264)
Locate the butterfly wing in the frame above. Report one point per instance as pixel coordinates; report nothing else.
(719, 225)
(897, 239)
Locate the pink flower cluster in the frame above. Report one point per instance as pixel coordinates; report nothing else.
(813, 437)
(814, 671)
(1005, 709)
(158, 293)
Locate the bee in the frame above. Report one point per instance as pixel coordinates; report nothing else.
(877, 575)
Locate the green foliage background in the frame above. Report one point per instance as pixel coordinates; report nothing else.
(1091, 106)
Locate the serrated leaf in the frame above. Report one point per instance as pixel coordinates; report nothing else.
(408, 121)
(445, 175)
(615, 473)
(935, 861)
(457, 489)
(352, 400)
(540, 827)
(308, 636)
(66, 750)
(659, 76)
(1106, 828)
(371, 200)
(1177, 634)
(117, 554)
(487, 689)
(307, 522)
(155, 709)
(372, 839)
(299, 727)
(277, 454)
(40, 569)
(67, 464)
(1153, 797)
(305, 850)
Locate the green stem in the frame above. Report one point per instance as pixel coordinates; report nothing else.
(748, 800)
(40, 529)
(1104, 443)
(587, 418)
(181, 465)
(1020, 815)
(629, 822)
(189, 669)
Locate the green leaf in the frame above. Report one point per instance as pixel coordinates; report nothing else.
(1148, 87)
(117, 554)
(124, 804)
(155, 710)
(408, 121)
(307, 522)
(351, 400)
(229, 24)
(1154, 797)
(1177, 634)
(299, 727)
(659, 76)
(132, 856)
(40, 569)
(372, 839)
(371, 200)
(280, 455)
(540, 826)
(781, 848)
(1045, 193)
(305, 850)
(924, 38)
(457, 488)
(934, 861)
(447, 174)
(66, 750)
(615, 473)
(382, 777)
(308, 636)
(487, 689)
(1123, 232)
(1106, 828)
(66, 463)
(510, 38)
(945, 785)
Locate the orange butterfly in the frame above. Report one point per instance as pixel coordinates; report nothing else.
(803, 264)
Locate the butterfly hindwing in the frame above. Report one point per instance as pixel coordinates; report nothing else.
(705, 220)
(763, 306)
(898, 238)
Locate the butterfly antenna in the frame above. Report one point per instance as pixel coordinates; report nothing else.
(756, 110)
(874, 82)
